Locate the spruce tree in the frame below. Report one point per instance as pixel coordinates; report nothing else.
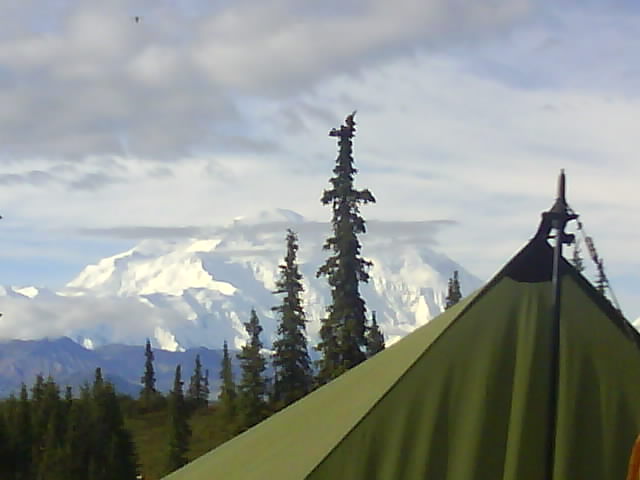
(112, 450)
(375, 338)
(54, 462)
(227, 398)
(197, 396)
(454, 293)
(79, 430)
(179, 431)
(148, 394)
(343, 332)
(23, 435)
(18, 446)
(6, 454)
(252, 390)
(44, 404)
(291, 362)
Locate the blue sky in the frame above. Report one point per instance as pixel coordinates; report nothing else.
(201, 113)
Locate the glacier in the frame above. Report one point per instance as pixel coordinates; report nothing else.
(197, 292)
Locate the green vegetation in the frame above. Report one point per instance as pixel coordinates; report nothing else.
(454, 294)
(98, 434)
(252, 389)
(150, 431)
(45, 436)
(198, 392)
(149, 396)
(291, 362)
(343, 332)
(375, 337)
(227, 398)
(179, 431)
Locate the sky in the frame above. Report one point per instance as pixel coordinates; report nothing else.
(206, 111)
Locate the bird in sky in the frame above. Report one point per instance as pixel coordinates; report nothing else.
(136, 19)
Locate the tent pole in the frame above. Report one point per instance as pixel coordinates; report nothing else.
(558, 217)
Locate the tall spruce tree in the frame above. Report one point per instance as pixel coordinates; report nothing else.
(252, 389)
(148, 394)
(227, 397)
(179, 431)
(454, 294)
(197, 394)
(291, 362)
(375, 338)
(343, 332)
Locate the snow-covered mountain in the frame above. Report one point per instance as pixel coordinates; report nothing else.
(198, 292)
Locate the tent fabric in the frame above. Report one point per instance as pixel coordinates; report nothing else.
(466, 397)
(634, 462)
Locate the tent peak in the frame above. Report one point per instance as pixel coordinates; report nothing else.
(558, 215)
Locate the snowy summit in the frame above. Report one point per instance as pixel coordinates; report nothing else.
(199, 291)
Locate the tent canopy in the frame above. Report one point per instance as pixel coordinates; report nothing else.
(466, 396)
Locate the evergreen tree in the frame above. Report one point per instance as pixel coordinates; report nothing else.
(48, 425)
(291, 362)
(375, 338)
(68, 401)
(252, 390)
(22, 435)
(227, 398)
(205, 386)
(179, 431)
(343, 331)
(148, 394)
(576, 259)
(98, 385)
(197, 395)
(112, 450)
(6, 454)
(17, 422)
(453, 292)
(54, 463)
(330, 365)
(79, 431)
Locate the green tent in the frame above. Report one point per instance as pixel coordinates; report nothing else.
(469, 396)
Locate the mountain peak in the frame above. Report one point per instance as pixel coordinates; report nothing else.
(199, 292)
(276, 215)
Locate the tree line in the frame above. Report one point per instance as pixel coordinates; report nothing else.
(49, 435)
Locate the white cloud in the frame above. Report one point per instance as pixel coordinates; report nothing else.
(51, 316)
(169, 83)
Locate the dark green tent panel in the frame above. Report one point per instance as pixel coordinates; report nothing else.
(466, 397)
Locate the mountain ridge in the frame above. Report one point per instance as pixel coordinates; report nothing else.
(69, 363)
(184, 293)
